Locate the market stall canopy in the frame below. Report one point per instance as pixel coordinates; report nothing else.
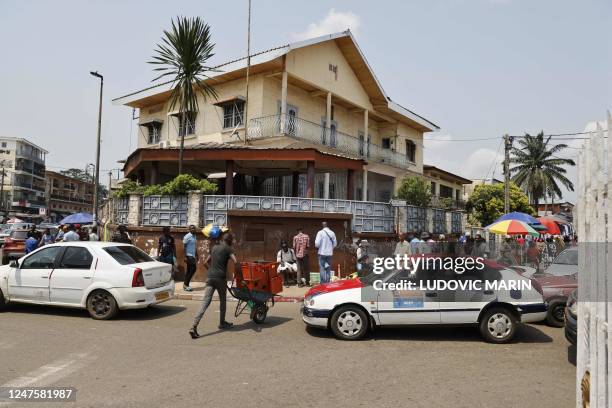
(523, 217)
(512, 227)
(551, 226)
(78, 218)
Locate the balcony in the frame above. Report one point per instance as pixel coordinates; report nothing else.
(447, 203)
(301, 129)
(70, 199)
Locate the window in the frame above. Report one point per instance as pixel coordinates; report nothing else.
(233, 113)
(127, 254)
(3, 144)
(446, 191)
(292, 121)
(187, 123)
(154, 132)
(386, 143)
(43, 259)
(361, 144)
(410, 150)
(332, 190)
(369, 144)
(333, 133)
(76, 258)
(433, 187)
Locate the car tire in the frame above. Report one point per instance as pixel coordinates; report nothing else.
(349, 323)
(3, 302)
(498, 325)
(555, 316)
(101, 305)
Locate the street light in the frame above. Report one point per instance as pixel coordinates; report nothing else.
(97, 169)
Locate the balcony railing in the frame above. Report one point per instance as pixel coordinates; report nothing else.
(71, 199)
(270, 126)
(446, 203)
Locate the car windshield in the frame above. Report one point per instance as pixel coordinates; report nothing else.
(22, 234)
(127, 254)
(372, 277)
(567, 258)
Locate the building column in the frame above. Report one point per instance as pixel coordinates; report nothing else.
(295, 183)
(154, 172)
(364, 191)
(350, 184)
(194, 206)
(229, 177)
(283, 112)
(310, 179)
(328, 138)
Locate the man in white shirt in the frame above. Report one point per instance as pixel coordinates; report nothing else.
(325, 242)
(71, 235)
(287, 262)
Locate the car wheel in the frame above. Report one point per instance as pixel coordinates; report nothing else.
(349, 323)
(556, 313)
(101, 305)
(2, 301)
(498, 325)
(259, 313)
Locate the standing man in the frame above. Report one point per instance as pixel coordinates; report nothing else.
(191, 254)
(93, 234)
(121, 235)
(217, 280)
(301, 243)
(166, 247)
(325, 241)
(403, 246)
(71, 235)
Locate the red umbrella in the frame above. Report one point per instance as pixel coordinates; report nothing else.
(551, 226)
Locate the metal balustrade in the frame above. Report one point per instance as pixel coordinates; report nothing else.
(456, 218)
(298, 128)
(164, 210)
(438, 221)
(416, 218)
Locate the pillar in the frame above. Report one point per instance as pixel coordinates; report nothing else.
(350, 184)
(365, 184)
(133, 217)
(229, 177)
(283, 112)
(154, 172)
(310, 179)
(194, 204)
(295, 183)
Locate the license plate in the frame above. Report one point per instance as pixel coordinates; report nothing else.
(162, 295)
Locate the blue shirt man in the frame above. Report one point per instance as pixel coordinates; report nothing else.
(191, 256)
(31, 244)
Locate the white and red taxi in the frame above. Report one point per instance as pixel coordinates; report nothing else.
(350, 307)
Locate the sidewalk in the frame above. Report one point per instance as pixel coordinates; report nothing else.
(290, 294)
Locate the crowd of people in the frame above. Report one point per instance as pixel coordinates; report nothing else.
(65, 233)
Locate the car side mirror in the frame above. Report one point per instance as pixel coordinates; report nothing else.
(14, 264)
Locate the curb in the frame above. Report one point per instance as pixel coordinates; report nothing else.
(230, 298)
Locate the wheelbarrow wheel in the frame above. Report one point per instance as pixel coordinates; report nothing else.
(259, 313)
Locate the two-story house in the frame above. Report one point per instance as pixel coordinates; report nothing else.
(318, 124)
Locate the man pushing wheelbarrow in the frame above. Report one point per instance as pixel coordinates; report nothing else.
(217, 272)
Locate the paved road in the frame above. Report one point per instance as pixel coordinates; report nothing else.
(146, 359)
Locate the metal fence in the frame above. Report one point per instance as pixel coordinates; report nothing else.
(438, 221)
(270, 126)
(416, 218)
(121, 209)
(367, 216)
(456, 218)
(164, 210)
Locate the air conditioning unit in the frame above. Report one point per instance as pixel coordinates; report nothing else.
(164, 144)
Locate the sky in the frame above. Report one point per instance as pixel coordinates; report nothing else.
(477, 68)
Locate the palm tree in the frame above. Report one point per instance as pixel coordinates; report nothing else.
(182, 55)
(538, 170)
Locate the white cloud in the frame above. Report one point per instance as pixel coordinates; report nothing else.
(333, 22)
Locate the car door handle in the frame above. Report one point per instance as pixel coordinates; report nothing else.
(488, 292)
(45, 276)
(431, 294)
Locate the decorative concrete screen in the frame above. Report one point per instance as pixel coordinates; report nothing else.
(122, 206)
(438, 221)
(367, 216)
(456, 227)
(164, 210)
(416, 218)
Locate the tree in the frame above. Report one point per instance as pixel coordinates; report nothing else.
(182, 55)
(486, 204)
(538, 169)
(415, 190)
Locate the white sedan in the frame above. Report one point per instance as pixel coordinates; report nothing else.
(102, 277)
(350, 307)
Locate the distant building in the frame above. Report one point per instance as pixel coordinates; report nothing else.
(468, 189)
(67, 195)
(22, 178)
(446, 187)
(565, 209)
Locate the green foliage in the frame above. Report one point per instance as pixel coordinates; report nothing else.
(446, 202)
(181, 184)
(415, 190)
(486, 203)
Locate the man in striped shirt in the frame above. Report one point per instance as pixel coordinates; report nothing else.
(301, 242)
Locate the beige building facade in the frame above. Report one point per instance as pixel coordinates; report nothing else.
(67, 195)
(319, 93)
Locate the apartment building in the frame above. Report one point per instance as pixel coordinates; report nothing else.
(319, 125)
(22, 178)
(446, 188)
(67, 195)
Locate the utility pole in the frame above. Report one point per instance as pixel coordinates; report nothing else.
(507, 147)
(248, 68)
(2, 206)
(97, 169)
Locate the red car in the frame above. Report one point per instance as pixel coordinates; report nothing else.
(14, 245)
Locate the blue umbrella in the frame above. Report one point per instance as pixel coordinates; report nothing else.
(519, 216)
(78, 218)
